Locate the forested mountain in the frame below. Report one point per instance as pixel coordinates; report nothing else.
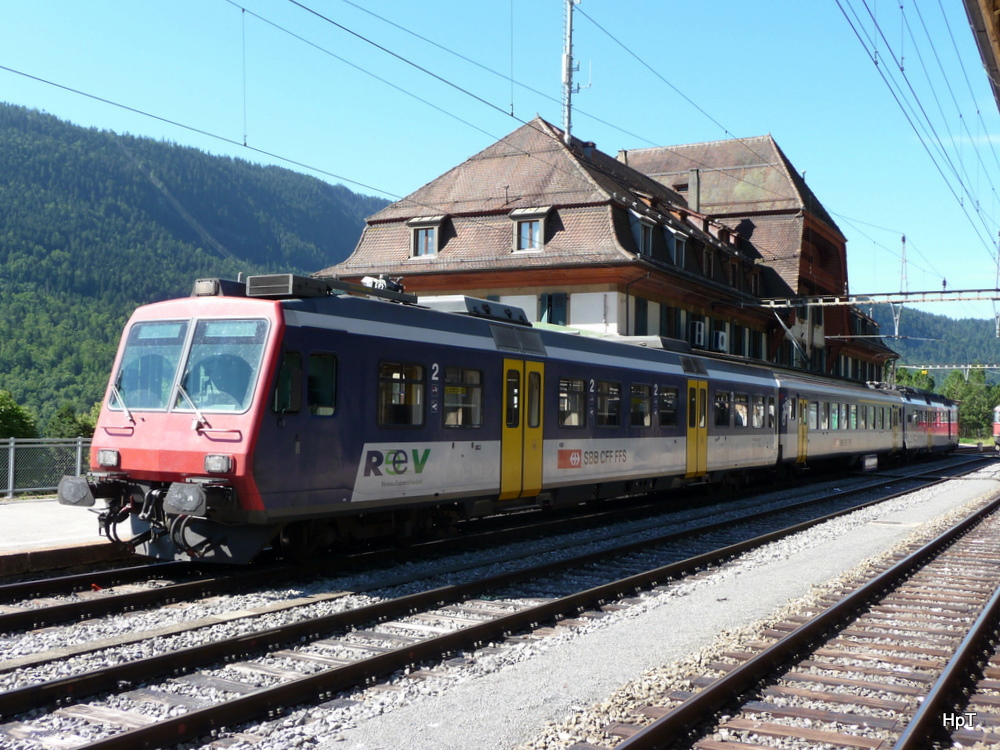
(93, 224)
(936, 339)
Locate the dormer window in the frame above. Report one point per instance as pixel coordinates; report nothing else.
(426, 235)
(642, 231)
(645, 238)
(529, 228)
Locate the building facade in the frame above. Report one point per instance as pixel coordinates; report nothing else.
(620, 247)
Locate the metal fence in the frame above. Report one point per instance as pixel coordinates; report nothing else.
(36, 465)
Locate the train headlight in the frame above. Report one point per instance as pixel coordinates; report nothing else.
(185, 499)
(108, 459)
(218, 464)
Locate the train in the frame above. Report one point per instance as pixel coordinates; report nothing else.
(301, 414)
(996, 428)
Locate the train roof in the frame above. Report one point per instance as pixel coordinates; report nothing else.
(477, 323)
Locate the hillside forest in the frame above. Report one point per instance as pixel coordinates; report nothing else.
(94, 223)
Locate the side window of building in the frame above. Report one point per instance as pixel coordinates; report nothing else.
(321, 384)
(400, 395)
(288, 388)
(572, 402)
(609, 404)
(552, 308)
(463, 397)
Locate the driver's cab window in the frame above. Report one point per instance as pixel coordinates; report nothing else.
(288, 389)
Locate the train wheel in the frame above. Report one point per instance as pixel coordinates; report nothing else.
(301, 542)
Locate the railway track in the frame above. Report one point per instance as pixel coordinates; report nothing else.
(264, 671)
(37, 603)
(888, 664)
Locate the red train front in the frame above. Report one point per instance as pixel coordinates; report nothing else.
(175, 439)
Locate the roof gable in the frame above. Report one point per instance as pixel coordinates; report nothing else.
(530, 167)
(738, 177)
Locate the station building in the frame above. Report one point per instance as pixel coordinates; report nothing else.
(681, 242)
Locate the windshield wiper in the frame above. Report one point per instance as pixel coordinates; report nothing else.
(201, 421)
(118, 395)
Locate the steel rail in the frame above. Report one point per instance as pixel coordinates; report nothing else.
(927, 723)
(32, 589)
(682, 719)
(76, 687)
(37, 617)
(322, 686)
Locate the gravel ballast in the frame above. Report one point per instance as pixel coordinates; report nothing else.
(540, 694)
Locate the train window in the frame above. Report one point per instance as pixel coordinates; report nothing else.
(609, 403)
(641, 406)
(222, 365)
(863, 417)
(400, 395)
(770, 412)
(813, 415)
(149, 365)
(572, 403)
(668, 407)
(721, 409)
(757, 416)
(824, 415)
(834, 416)
(513, 398)
(854, 417)
(321, 384)
(692, 408)
(288, 388)
(463, 397)
(534, 399)
(740, 410)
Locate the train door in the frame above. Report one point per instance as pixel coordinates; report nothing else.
(895, 420)
(521, 440)
(697, 429)
(803, 428)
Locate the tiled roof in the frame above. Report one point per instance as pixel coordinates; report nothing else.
(530, 168)
(738, 177)
(586, 237)
(778, 238)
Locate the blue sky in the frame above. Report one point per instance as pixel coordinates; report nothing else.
(387, 103)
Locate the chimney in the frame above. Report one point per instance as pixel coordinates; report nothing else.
(694, 190)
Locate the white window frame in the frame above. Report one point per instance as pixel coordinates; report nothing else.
(421, 228)
(523, 216)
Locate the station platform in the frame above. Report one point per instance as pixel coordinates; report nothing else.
(39, 532)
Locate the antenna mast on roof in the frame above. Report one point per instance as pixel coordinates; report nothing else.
(568, 69)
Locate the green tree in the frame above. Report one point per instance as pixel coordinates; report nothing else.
(915, 378)
(65, 424)
(89, 420)
(15, 421)
(976, 402)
